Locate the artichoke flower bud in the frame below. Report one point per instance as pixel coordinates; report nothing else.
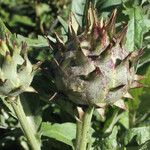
(16, 71)
(94, 67)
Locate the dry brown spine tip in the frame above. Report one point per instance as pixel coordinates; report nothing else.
(58, 39)
(101, 23)
(138, 77)
(14, 44)
(120, 37)
(136, 84)
(53, 96)
(120, 104)
(71, 31)
(36, 67)
(7, 53)
(80, 114)
(110, 25)
(77, 119)
(101, 112)
(128, 95)
(101, 105)
(31, 89)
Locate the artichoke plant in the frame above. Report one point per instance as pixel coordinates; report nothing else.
(16, 71)
(93, 67)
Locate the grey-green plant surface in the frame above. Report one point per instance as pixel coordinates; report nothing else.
(29, 33)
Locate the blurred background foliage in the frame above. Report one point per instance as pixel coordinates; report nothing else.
(35, 21)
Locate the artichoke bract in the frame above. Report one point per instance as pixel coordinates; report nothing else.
(16, 71)
(94, 67)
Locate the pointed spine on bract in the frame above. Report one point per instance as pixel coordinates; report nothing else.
(120, 104)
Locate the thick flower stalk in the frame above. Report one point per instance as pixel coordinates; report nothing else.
(16, 75)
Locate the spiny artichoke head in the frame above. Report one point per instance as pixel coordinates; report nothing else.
(94, 67)
(16, 71)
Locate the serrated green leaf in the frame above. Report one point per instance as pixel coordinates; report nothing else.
(136, 28)
(141, 134)
(144, 1)
(42, 8)
(65, 132)
(124, 119)
(64, 29)
(110, 122)
(110, 142)
(3, 30)
(141, 96)
(39, 42)
(110, 3)
(32, 109)
(78, 8)
(63, 23)
(139, 107)
(25, 20)
(145, 146)
(144, 97)
(145, 58)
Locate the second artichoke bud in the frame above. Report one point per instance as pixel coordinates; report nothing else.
(16, 71)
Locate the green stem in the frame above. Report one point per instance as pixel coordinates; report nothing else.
(85, 131)
(27, 129)
(79, 134)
